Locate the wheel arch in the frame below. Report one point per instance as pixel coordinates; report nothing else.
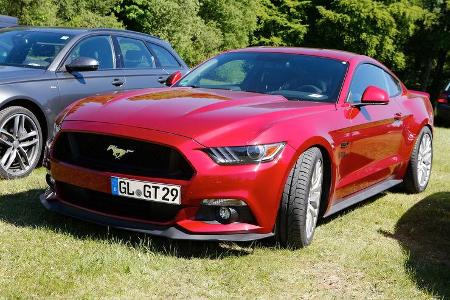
(34, 108)
(327, 179)
(326, 148)
(430, 127)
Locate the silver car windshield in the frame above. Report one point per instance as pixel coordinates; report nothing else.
(30, 48)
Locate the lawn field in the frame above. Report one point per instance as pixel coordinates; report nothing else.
(393, 246)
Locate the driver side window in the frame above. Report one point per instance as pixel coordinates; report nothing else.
(97, 47)
(365, 75)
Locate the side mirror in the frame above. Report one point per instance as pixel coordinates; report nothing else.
(374, 96)
(173, 78)
(83, 64)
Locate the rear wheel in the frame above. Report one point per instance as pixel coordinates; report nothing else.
(300, 204)
(419, 167)
(20, 142)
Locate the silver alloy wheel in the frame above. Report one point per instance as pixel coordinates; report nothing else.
(19, 144)
(315, 193)
(424, 160)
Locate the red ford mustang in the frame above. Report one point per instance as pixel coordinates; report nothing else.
(253, 143)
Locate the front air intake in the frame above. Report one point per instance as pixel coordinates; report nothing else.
(121, 156)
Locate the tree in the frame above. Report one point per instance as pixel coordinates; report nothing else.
(176, 21)
(281, 23)
(196, 29)
(236, 20)
(368, 27)
(429, 48)
(74, 13)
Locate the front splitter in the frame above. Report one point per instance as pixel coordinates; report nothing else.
(51, 203)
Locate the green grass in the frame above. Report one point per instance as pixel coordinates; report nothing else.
(391, 246)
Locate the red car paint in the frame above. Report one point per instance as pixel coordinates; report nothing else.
(363, 145)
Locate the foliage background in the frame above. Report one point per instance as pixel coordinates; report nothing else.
(412, 37)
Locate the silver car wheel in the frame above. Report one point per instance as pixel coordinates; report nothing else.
(424, 160)
(315, 193)
(19, 144)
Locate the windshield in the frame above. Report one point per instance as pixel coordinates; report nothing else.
(296, 77)
(32, 49)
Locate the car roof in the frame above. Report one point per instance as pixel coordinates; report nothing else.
(77, 31)
(329, 53)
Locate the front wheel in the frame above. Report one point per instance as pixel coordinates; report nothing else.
(20, 142)
(419, 167)
(300, 204)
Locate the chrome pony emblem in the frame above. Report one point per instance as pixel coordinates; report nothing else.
(117, 152)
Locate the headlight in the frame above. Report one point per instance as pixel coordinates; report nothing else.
(245, 154)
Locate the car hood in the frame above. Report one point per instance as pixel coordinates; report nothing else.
(211, 117)
(10, 74)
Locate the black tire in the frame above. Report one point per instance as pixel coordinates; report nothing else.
(291, 222)
(411, 183)
(6, 114)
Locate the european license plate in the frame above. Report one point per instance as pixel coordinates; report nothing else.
(150, 191)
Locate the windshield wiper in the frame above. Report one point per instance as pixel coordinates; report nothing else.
(209, 87)
(294, 99)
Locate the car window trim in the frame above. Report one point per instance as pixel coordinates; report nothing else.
(447, 87)
(366, 62)
(158, 62)
(118, 53)
(396, 83)
(156, 56)
(122, 67)
(61, 66)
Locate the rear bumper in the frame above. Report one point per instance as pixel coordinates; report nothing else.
(52, 203)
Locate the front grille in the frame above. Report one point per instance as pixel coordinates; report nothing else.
(143, 158)
(117, 206)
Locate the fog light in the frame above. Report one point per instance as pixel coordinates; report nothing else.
(227, 214)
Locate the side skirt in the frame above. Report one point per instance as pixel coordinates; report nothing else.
(362, 195)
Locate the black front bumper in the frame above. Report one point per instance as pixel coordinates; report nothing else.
(50, 202)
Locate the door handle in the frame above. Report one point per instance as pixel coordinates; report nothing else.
(162, 79)
(117, 82)
(398, 116)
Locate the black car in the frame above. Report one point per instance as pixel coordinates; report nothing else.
(43, 70)
(442, 107)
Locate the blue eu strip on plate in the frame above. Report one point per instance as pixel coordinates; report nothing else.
(115, 186)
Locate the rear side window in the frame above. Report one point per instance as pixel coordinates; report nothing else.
(135, 54)
(364, 76)
(97, 47)
(166, 59)
(394, 88)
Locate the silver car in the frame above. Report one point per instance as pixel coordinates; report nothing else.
(43, 70)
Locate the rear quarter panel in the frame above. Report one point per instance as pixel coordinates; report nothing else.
(417, 113)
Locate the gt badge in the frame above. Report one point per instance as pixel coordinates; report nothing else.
(117, 152)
